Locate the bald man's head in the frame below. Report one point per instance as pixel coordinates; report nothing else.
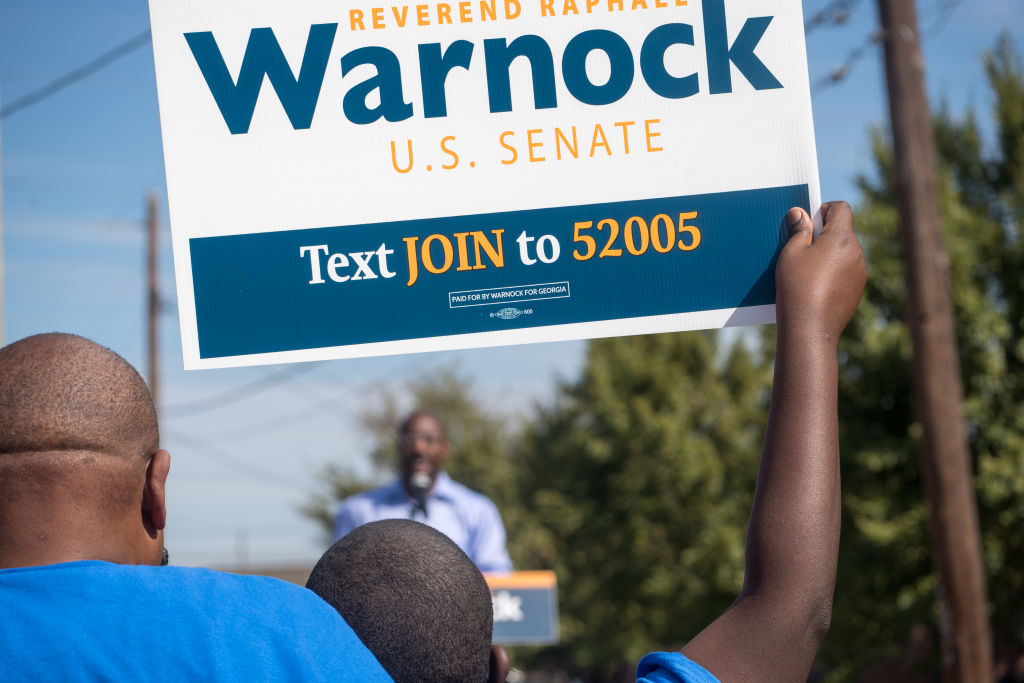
(61, 392)
(78, 435)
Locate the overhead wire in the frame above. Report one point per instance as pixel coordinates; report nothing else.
(843, 69)
(201, 445)
(321, 403)
(245, 467)
(76, 75)
(939, 21)
(265, 427)
(225, 398)
(836, 8)
(833, 13)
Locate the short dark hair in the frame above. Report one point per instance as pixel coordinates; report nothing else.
(414, 599)
(403, 427)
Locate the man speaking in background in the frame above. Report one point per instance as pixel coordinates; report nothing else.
(425, 493)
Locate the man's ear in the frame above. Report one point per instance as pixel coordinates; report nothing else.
(499, 665)
(154, 503)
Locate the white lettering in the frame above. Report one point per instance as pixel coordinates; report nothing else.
(524, 255)
(314, 261)
(553, 250)
(362, 260)
(337, 261)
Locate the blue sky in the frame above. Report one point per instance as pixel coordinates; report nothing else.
(76, 169)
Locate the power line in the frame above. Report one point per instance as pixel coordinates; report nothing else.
(270, 426)
(938, 22)
(76, 75)
(321, 403)
(942, 15)
(835, 13)
(225, 398)
(245, 467)
(225, 459)
(842, 70)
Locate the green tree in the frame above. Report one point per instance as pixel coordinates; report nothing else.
(886, 584)
(641, 474)
(640, 478)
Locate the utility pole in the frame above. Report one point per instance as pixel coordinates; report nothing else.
(945, 458)
(153, 298)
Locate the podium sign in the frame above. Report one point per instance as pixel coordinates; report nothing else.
(525, 608)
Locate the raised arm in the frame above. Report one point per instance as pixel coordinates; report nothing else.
(773, 630)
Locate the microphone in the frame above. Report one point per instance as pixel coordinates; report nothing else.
(419, 482)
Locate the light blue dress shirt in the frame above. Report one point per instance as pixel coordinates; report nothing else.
(463, 515)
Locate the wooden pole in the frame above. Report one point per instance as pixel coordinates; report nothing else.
(945, 458)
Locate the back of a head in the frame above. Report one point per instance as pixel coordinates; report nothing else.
(71, 411)
(64, 392)
(413, 597)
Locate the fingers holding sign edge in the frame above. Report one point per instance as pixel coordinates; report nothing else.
(799, 224)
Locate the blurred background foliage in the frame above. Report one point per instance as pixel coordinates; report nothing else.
(635, 483)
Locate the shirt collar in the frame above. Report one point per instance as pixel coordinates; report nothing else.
(444, 489)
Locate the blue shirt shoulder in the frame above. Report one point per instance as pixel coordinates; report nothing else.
(671, 667)
(85, 621)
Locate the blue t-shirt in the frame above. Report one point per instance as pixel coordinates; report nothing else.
(671, 667)
(89, 621)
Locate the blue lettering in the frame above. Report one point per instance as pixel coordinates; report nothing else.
(263, 56)
(720, 55)
(574, 67)
(652, 61)
(388, 80)
(434, 68)
(499, 55)
(298, 95)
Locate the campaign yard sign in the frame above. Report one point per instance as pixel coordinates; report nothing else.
(387, 176)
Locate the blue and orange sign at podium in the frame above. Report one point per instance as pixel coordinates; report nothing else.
(525, 607)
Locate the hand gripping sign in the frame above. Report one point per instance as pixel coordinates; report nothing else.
(351, 179)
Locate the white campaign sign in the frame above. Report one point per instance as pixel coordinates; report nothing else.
(388, 177)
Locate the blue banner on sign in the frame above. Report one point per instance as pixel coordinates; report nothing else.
(525, 616)
(336, 286)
